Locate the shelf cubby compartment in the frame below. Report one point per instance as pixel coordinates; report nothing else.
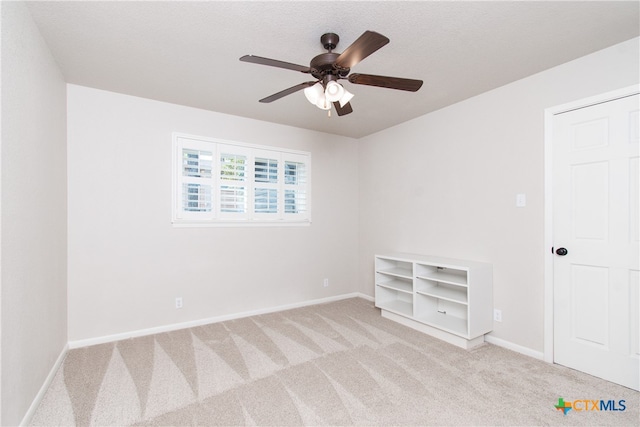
(394, 300)
(395, 283)
(394, 268)
(442, 314)
(442, 290)
(452, 276)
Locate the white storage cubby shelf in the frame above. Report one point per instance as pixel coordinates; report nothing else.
(448, 298)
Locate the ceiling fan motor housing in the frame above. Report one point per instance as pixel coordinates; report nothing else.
(323, 65)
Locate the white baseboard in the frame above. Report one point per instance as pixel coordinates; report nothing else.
(367, 297)
(206, 321)
(26, 420)
(514, 347)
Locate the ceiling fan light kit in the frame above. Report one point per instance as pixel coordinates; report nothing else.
(330, 67)
(334, 91)
(323, 98)
(323, 103)
(345, 98)
(313, 92)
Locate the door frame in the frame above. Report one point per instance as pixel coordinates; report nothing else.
(549, 114)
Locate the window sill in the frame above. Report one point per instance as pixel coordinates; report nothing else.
(222, 223)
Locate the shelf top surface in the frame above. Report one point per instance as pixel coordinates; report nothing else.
(432, 260)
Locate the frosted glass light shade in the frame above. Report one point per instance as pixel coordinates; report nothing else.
(345, 98)
(334, 91)
(323, 103)
(313, 93)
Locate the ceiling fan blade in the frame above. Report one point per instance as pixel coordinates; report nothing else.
(365, 45)
(388, 82)
(286, 92)
(343, 110)
(275, 63)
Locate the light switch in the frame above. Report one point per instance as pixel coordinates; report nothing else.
(521, 200)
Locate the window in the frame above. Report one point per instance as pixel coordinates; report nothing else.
(224, 183)
(295, 178)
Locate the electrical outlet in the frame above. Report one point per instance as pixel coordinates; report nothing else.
(497, 315)
(325, 283)
(179, 302)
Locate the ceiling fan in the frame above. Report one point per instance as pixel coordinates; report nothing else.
(330, 67)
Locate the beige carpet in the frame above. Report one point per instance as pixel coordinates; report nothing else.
(339, 363)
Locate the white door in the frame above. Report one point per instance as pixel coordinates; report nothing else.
(595, 235)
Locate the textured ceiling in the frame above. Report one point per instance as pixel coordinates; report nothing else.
(187, 52)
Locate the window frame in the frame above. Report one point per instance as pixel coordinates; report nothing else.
(216, 217)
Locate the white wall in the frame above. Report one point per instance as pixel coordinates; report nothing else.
(34, 200)
(126, 261)
(445, 183)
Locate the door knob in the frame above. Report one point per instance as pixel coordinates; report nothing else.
(561, 251)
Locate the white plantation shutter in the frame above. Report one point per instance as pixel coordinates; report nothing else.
(233, 181)
(266, 201)
(296, 180)
(222, 183)
(266, 169)
(266, 185)
(195, 180)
